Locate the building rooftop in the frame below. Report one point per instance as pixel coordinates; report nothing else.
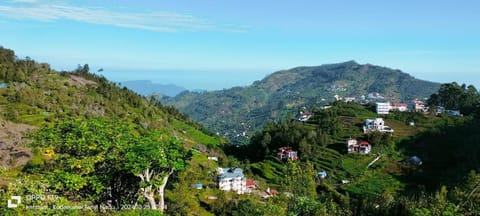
(231, 172)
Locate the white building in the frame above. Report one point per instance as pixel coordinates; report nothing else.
(383, 108)
(376, 125)
(231, 179)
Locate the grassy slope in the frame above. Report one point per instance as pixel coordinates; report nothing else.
(385, 176)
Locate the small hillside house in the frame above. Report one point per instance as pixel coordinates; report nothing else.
(417, 106)
(376, 125)
(305, 116)
(354, 146)
(400, 107)
(231, 179)
(287, 153)
(322, 175)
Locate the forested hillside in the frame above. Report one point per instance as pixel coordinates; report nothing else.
(238, 112)
(84, 141)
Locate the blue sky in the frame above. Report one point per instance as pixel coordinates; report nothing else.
(214, 44)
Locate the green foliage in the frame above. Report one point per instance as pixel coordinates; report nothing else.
(300, 179)
(467, 194)
(82, 157)
(455, 97)
(378, 138)
(304, 206)
(150, 151)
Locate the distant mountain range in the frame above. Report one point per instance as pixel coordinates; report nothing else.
(147, 87)
(238, 112)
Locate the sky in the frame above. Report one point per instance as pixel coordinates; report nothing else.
(216, 44)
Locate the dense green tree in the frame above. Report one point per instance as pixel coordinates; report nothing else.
(94, 159)
(153, 160)
(456, 97)
(82, 156)
(306, 206)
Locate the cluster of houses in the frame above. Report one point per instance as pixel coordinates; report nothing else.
(233, 178)
(384, 108)
(371, 97)
(416, 105)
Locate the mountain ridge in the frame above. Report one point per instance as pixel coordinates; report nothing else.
(147, 87)
(239, 111)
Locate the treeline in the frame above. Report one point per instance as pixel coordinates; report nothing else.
(14, 69)
(453, 96)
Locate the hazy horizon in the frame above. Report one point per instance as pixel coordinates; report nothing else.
(225, 79)
(223, 44)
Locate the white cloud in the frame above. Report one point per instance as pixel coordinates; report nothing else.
(24, 1)
(152, 21)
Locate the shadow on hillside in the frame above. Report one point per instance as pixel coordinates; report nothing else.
(339, 147)
(449, 152)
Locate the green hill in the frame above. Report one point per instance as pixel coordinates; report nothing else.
(85, 141)
(232, 112)
(34, 95)
(445, 184)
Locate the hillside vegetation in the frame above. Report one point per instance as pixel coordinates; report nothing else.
(81, 140)
(74, 143)
(446, 183)
(238, 112)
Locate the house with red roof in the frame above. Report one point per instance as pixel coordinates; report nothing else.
(401, 107)
(363, 147)
(287, 153)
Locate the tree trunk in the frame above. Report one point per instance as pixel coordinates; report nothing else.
(148, 191)
(161, 191)
(151, 199)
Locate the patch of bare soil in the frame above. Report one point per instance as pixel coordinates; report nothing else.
(13, 152)
(80, 81)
